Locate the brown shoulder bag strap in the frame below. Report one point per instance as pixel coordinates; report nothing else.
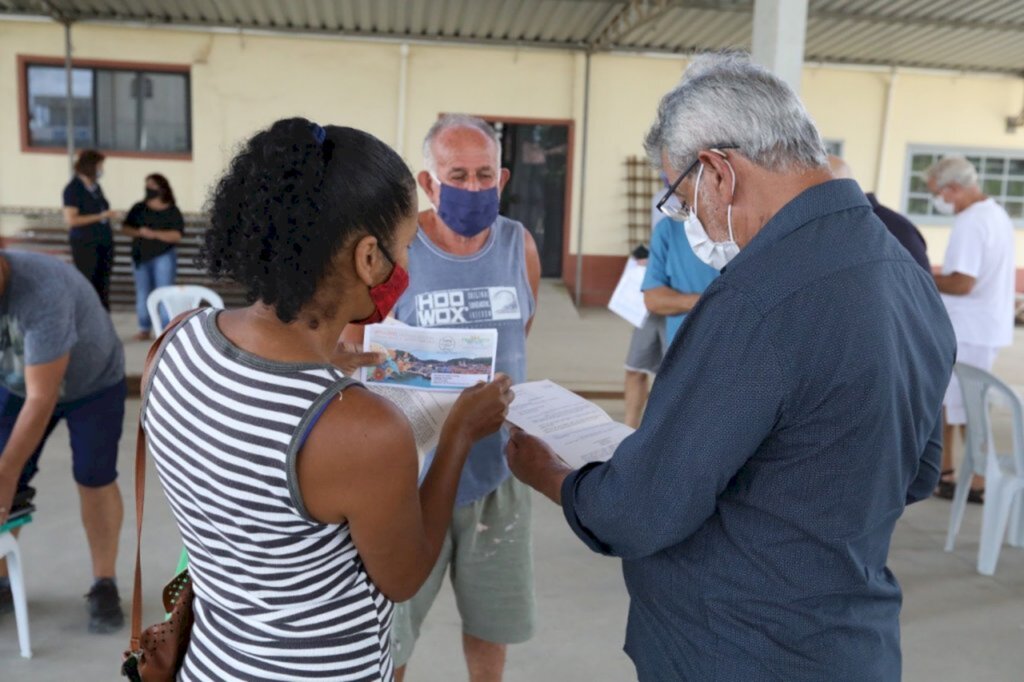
(140, 474)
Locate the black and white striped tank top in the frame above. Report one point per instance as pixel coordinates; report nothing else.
(278, 595)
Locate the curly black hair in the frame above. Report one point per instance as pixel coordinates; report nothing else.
(289, 202)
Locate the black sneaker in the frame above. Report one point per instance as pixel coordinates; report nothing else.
(105, 614)
(6, 596)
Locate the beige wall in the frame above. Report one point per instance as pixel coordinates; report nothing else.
(624, 95)
(241, 83)
(847, 105)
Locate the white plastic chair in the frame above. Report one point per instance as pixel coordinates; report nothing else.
(15, 572)
(178, 299)
(1004, 473)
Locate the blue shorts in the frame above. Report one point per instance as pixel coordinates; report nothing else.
(95, 424)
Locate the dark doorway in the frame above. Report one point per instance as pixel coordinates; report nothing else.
(538, 155)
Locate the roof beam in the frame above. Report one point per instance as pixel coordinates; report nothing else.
(601, 26)
(632, 15)
(635, 14)
(48, 8)
(720, 5)
(607, 34)
(919, 21)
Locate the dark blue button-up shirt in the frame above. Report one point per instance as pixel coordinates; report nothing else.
(794, 416)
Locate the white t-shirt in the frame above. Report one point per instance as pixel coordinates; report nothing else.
(982, 246)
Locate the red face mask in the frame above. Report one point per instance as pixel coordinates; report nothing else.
(386, 294)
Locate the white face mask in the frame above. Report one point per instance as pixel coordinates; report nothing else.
(715, 254)
(942, 206)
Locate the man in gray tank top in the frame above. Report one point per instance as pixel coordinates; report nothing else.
(472, 268)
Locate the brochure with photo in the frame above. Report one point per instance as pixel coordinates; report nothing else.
(430, 359)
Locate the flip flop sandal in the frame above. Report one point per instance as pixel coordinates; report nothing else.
(945, 490)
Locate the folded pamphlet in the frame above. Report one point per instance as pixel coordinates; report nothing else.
(425, 370)
(430, 359)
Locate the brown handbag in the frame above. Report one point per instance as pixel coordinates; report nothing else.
(156, 653)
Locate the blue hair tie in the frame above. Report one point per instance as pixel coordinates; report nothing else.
(319, 134)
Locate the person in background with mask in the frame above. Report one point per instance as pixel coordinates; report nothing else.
(648, 343)
(87, 215)
(472, 268)
(977, 285)
(676, 276)
(643, 357)
(673, 282)
(156, 226)
(794, 416)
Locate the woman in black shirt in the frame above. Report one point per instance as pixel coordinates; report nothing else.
(156, 225)
(87, 215)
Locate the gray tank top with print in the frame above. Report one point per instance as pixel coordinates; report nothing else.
(486, 290)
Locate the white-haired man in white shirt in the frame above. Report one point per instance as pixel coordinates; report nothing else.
(977, 285)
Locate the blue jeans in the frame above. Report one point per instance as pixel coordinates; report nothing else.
(153, 274)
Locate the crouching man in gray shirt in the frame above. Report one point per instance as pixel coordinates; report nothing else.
(60, 358)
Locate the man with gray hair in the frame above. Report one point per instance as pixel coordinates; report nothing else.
(472, 268)
(977, 285)
(795, 415)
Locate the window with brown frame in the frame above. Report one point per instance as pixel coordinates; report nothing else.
(643, 188)
(132, 109)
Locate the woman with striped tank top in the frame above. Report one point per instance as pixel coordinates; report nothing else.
(295, 490)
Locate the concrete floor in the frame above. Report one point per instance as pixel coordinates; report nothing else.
(957, 625)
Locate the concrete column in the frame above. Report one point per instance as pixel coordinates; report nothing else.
(780, 27)
(69, 99)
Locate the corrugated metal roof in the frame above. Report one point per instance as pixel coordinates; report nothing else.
(986, 35)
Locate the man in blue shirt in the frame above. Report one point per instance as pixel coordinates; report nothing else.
(794, 417)
(675, 277)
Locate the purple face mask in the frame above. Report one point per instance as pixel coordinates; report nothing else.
(467, 212)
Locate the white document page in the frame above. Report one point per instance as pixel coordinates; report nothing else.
(577, 430)
(589, 444)
(628, 300)
(425, 410)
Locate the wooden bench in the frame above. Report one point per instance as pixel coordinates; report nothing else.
(43, 233)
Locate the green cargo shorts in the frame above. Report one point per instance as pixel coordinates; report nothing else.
(488, 547)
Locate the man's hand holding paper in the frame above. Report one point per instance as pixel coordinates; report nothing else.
(558, 432)
(534, 463)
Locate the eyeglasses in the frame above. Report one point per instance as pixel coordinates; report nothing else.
(674, 207)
